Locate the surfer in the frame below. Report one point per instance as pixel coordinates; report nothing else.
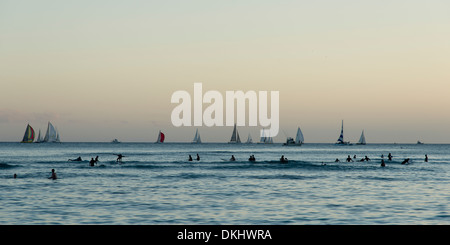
(198, 157)
(92, 162)
(119, 158)
(190, 158)
(53, 176)
(367, 159)
(232, 158)
(78, 159)
(337, 160)
(426, 158)
(405, 161)
(382, 163)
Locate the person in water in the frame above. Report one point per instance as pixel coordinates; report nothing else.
(252, 158)
(405, 161)
(78, 159)
(53, 176)
(426, 158)
(282, 159)
(390, 156)
(198, 157)
(337, 160)
(366, 158)
(382, 163)
(232, 158)
(119, 158)
(190, 158)
(92, 162)
(349, 159)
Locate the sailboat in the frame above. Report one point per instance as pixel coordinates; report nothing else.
(298, 139)
(197, 138)
(341, 141)
(161, 137)
(52, 134)
(235, 136)
(249, 139)
(28, 137)
(39, 138)
(265, 139)
(362, 139)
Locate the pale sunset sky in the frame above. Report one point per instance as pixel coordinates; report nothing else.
(105, 69)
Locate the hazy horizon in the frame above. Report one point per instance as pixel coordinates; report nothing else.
(100, 70)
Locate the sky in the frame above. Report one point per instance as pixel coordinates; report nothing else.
(100, 70)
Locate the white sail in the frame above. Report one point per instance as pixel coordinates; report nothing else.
(341, 136)
(249, 139)
(39, 139)
(57, 136)
(341, 141)
(235, 136)
(299, 138)
(265, 139)
(197, 138)
(52, 134)
(362, 139)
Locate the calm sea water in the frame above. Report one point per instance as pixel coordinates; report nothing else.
(156, 184)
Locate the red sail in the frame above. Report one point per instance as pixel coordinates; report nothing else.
(161, 138)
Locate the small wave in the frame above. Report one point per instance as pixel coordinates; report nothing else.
(190, 176)
(285, 177)
(5, 166)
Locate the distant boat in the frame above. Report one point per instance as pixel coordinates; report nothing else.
(52, 134)
(341, 141)
(298, 139)
(362, 139)
(197, 139)
(419, 143)
(235, 136)
(161, 137)
(115, 141)
(249, 139)
(265, 139)
(28, 137)
(39, 138)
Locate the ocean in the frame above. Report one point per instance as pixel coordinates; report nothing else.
(156, 184)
